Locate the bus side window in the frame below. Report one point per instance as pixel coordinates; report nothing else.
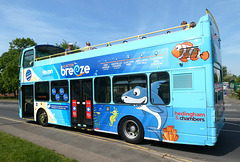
(102, 90)
(59, 91)
(130, 89)
(42, 91)
(28, 59)
(160, 88)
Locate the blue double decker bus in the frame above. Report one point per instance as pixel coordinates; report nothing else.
(156, 86)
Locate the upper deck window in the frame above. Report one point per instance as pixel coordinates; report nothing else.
(28, 59)
(47, 50)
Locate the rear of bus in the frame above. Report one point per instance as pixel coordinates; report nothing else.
(197, 90)
(217, 122)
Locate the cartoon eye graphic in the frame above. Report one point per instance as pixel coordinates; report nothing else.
(178, 47)
(136, 92)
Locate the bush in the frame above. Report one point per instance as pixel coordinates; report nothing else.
(238, 94)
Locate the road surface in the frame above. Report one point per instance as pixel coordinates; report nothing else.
(91, 146)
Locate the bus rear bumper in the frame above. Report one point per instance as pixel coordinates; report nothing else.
(213, 133)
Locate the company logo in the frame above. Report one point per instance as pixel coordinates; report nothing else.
(28, 75)
(191, 117)
(65, 97)
(54, 91)
(74, 108)
(61, 91)
(88, 109)
(70, 69)
(57, 97)
(47, 72)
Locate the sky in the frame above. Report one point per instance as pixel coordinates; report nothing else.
(100, 21)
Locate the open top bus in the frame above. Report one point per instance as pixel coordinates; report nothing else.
(157, 86)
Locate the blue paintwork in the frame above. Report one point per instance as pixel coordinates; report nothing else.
(191, 111)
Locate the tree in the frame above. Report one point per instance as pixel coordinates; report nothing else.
(22, 43)
(64, 45)
(2, 89)
(227, 77)
(224, 71)
(9, 70)
(238, 79)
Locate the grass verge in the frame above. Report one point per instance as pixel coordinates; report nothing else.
(16, 149)
(8, 98)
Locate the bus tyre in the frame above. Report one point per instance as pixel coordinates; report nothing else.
(131, 130)
(42, 118)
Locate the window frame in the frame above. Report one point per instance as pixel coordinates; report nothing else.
(146, 79)
(59, 87)
(23, 62)
(110, 98)
(169, 86)
(37, 90)
(218, 86)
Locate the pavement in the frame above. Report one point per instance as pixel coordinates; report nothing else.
(9, 101)
(231, 100)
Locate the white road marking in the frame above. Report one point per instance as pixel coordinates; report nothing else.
(227, 104)
(232, 119)
(231, 110)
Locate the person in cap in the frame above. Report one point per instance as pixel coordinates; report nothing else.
(69, 50)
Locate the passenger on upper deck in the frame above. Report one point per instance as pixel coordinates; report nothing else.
(88, 48)
(184, 23)
(192, 25)
(69, 50)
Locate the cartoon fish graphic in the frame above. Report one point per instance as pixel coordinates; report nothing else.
(187, 51)
(138, 95)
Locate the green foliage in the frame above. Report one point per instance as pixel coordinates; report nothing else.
(9, 70)
(224, 71)
(238, 94)
(64, 44)
(227, 77)
(21, 43)
(16, 149)
(238, 79)
(2, 90)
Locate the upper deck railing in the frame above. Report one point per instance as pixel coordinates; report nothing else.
(141, 36)
(208, 12)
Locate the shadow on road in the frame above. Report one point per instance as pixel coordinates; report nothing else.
(228, 141)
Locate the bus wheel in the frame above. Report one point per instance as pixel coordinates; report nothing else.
(131, 130)
(42, 118)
